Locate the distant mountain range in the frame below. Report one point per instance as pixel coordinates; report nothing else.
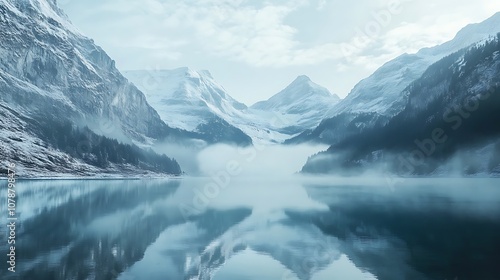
(194, 101)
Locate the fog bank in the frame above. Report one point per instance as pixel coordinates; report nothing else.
(258, 160)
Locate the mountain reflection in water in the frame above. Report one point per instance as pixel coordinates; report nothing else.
(291, 228)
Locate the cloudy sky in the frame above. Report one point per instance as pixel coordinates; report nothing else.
(255, 48)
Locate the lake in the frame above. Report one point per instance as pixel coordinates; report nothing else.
(251, 228)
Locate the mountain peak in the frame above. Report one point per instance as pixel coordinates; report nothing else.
(180, 92)
(189, 72)
(205, 73)
(304, 86)
(183, 71)
(303, 78)
(300, 92)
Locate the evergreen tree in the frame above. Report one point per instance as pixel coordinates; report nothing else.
(101, 151)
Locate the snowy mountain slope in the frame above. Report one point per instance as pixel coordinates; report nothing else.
(20, 144)
(189, 99)
(381, 92)
(48, 68)
(31, 155)
(184, 97)
(449, 124)
(303, 102)
(375, 99)
(52, 77)
(300, 97)
(192, 101)
(299, 107)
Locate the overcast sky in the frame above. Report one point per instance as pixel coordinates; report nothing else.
(255, 48)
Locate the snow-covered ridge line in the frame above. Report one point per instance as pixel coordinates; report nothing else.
(186, 98)
(377, 98)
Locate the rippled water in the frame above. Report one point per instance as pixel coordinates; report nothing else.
(291, 228)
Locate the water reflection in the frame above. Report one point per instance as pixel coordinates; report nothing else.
(291, 228)
(435, 229)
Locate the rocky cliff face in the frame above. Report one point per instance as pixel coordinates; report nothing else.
(47, 68)
(50, 76)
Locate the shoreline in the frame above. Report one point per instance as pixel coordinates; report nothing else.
(94, 178)
(180, 177)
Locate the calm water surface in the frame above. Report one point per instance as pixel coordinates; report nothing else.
(292, 228)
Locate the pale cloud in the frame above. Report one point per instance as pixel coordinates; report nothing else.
(252, 34)
(321, 4)
(371, 49)
(273, 40)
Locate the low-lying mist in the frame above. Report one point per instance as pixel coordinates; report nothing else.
(476, 160)
(257, 160)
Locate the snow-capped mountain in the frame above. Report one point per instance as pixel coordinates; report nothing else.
(381, 92)
(50, 75)
(449, 124)
(184, 97)
(380, 96)
(193, 100)
(300, 97)
(47, 66)
(303, 103)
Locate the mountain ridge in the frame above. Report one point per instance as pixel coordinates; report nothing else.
(192, 101)
(186, 99)
(51, 74)
(375, 99)
(447, 126)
